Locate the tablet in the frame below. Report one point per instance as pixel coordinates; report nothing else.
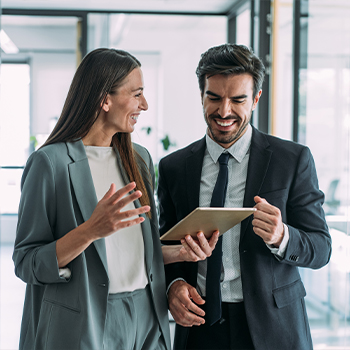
(207, 220)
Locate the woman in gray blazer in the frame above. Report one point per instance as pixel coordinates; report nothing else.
(87, 241)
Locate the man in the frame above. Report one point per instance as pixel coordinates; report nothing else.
(262, 296)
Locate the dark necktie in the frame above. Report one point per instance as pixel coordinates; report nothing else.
(213, 290)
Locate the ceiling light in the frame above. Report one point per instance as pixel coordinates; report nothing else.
(7, 44)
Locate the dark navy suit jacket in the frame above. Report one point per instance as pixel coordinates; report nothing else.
(283, 173)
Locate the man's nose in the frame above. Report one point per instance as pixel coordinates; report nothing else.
(225, 109)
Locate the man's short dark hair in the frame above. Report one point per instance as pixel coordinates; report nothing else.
(230, 59)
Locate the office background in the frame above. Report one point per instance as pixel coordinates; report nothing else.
(305, 46)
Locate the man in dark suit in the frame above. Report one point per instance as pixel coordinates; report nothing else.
(261, 303)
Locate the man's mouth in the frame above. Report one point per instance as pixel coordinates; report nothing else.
(225, 123)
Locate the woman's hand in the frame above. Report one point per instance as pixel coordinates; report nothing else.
(191, 249)
(106, 219)
(108, 216)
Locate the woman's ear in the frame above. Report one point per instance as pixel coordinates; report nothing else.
(105, 104)
(105, 107)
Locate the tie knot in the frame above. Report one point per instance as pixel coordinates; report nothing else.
(223, 159)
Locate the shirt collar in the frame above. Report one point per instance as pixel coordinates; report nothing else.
(238, 150)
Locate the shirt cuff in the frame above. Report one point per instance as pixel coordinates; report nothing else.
(280, 251)
(65, 273)
(177, 279)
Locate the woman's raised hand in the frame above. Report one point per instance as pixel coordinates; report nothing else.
(108, 216)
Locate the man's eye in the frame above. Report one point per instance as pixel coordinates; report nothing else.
(214, 98)
(138, 95)
(238, 101)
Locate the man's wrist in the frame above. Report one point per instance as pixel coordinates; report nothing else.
(172, 282)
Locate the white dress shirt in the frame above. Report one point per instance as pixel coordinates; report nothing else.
(125, 248)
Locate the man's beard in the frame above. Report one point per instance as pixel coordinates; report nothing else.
(226, 137)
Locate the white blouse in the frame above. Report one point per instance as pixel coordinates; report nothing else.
(125, 248)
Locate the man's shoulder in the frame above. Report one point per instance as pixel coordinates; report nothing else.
(279, 144)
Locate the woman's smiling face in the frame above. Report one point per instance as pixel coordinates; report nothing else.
(125, 105)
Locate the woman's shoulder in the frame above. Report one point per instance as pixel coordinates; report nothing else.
(54, 154)
(142, 151)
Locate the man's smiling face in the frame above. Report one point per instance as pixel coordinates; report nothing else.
(227, 106)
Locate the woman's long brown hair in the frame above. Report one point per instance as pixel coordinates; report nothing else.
(101, 72)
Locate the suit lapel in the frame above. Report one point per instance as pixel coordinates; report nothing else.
(84, 189)
(146, 225)
(194, 163)
(259, 160)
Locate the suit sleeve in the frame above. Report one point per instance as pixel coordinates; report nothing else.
(309, 239)
(35, 245)
(167, 219)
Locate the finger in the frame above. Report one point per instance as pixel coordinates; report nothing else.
(189, 254)
(258, 199)
(268, 238)
(180, 298)
(271, 216)
(128, 223)
(122, 192)
(204, 244)
(129, 198)
(262, 218)
(195, 248)
(262, 226)
(258, 231)
(194, 295)
(110, 191)
(184, 317)
(266, 213)
(214, 239)
(188, 309)
(127, 214)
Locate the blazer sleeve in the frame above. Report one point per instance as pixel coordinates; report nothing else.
(35, 245)
(167, 219)
(309, 239)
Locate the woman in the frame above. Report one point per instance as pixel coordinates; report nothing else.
(89, 253)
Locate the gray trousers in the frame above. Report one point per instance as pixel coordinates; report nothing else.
(131, 322)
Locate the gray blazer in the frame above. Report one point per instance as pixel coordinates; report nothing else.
(58, 195)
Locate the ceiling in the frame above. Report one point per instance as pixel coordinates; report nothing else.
(183, 6)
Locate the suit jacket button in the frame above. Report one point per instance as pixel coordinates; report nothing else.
(151, 277)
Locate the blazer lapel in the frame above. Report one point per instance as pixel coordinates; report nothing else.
(84, 189)
(145, 226)
(259, 160)
(194, 163)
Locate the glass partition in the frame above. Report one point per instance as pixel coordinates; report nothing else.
(324, 126)
(33, 85)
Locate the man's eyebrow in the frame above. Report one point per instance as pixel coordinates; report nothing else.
(240, 97)
(212, 94)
